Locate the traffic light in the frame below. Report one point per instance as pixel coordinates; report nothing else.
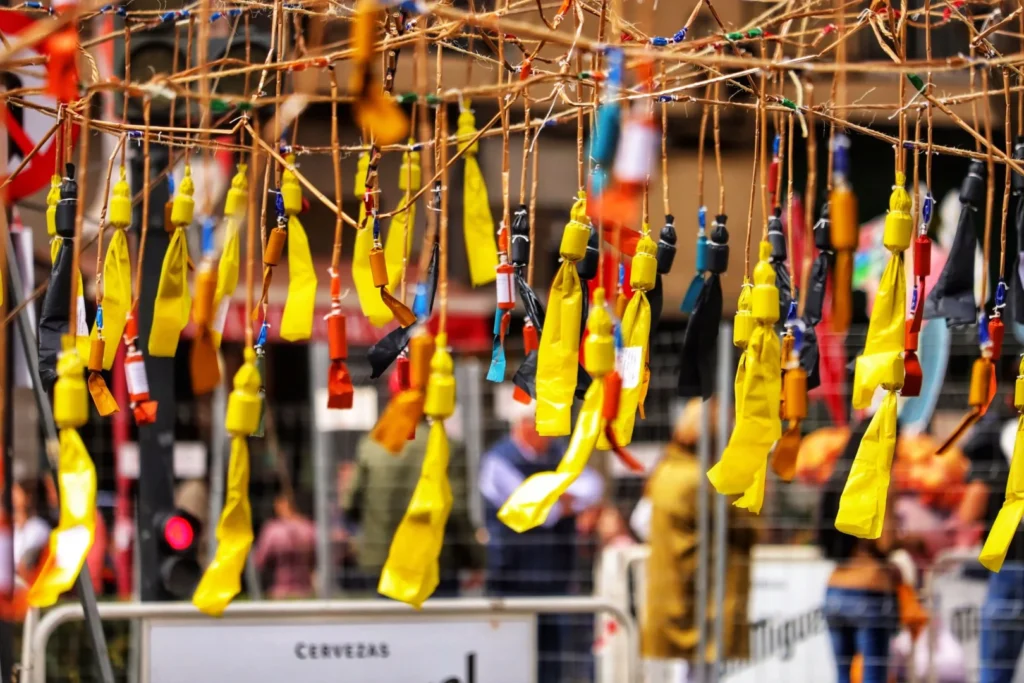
(177, 534)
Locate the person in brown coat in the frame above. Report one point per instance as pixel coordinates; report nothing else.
(670, 625)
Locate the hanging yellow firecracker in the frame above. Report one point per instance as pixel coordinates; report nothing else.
(222, 580)
(560, 336)
(397, 424)
(862, 505)
(636, 334)
(235, 207)
(477, 222)
(173, 300)
(52, 198)
(117, 275)
(887, 327)
(1008, 520)
(297, 319)
(374, 111)
(76, 481)
(529, 505)
(743, 466)
(411, 572)
(370, 301)
(399, 242)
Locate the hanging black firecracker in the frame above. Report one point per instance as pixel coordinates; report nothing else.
(783, 281)
(1018, 220)
(393, 344)
(700, 341)
(814, 303)
(53, 317)
(952, 297)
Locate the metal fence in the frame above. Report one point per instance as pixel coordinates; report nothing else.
(314, 453)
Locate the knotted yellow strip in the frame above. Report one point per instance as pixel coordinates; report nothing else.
(117, 273)
(403, 224)
(862, 505)
(227, 270)
(76, 481)
(636, 337)
(222, 580)
(477, 221)
(1008, 520)
(173, 300)
(743, 466)
(531, 503)
(411, 572)
(560, 337)
(887, 329)
(370, 300)
(297, 319)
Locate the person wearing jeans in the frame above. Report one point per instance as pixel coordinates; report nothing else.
(1002, 624)
(861, 622)
(861, 606)
(989, 447)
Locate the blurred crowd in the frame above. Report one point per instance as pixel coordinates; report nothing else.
(937, 503)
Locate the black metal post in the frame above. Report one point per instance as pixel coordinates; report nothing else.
(156, 441)
(86, 594)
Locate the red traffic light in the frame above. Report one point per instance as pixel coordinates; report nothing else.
(178, 533)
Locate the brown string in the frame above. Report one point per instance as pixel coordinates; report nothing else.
(126, 96)
(579, 128)
(250, 233)
(915, 196)
(1007, 127)
(144, 226)
(700, 150)
(534, 180)
(664, 157)
(810, 193)
(103, 220)
(789, 209)
(526, 147)
(188, 103)
(336, 160)
(990, 187)
(753, 185)
(442, 115)
(426, 159)
(764, 155)
(76, 252)
(718, 152)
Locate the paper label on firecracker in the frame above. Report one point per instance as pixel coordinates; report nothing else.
(506, 293)
(630, 360)
(636, 152)
(81, 326)
(221, 317)
(135, 374)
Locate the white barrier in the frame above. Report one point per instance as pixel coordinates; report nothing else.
(194, 642)
(789, 639)
(788, 636)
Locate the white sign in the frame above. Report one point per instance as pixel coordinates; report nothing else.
(361, 417)
(498, 649)
(189, 460)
